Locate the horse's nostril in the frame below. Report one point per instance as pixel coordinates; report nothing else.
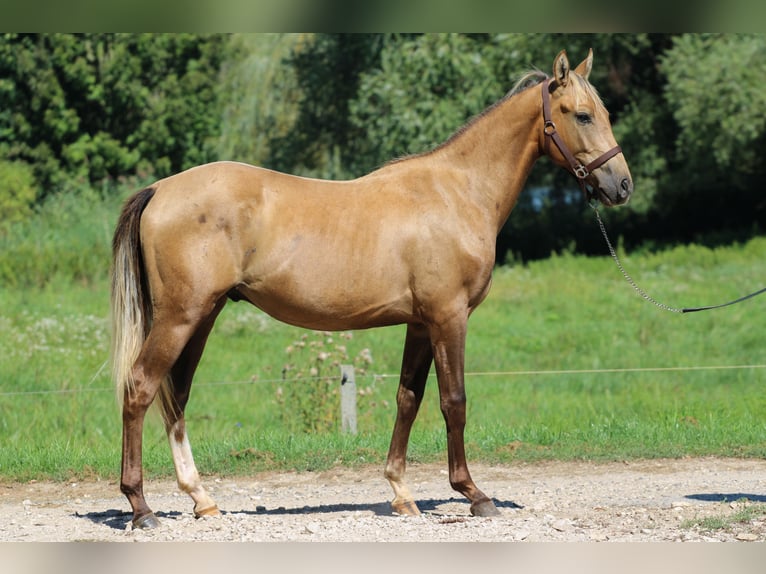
(626, 186)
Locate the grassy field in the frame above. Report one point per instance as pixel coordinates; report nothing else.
(59, 416)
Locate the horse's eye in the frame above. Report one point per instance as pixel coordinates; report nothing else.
(583, 118)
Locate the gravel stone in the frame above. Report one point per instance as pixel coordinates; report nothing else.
(656, 500)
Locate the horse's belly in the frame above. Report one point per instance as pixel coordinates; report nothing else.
(334, 310)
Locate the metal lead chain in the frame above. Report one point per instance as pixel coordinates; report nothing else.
(628, 278)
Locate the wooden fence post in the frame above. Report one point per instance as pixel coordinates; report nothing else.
(347, 399)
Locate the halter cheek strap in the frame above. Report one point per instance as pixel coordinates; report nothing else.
(580, 171)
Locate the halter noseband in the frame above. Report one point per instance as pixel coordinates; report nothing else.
(580, 171)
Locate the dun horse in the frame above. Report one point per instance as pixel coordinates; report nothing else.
(417, 236)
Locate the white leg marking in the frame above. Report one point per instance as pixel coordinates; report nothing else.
(187, 475)
(404, 502)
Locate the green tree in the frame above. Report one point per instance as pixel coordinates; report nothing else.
(261, 97)
(286, 102)
(328, 70)
(90, 107)
(424, 89)
(715, 99)
(715, 92)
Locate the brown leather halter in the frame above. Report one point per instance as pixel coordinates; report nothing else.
(580, 171)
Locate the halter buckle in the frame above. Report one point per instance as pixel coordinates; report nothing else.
(549, 128)
(581, 172)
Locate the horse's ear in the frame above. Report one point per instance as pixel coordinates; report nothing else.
(585, 66)
(561, 69)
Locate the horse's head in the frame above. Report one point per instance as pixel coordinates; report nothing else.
(577, 122)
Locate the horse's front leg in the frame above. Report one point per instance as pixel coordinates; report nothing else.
(448, 341)
(416, 362)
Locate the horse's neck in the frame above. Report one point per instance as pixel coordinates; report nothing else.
(497, 151)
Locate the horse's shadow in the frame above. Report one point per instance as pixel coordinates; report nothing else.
(722, 497)
(119, 519)
(378, 509)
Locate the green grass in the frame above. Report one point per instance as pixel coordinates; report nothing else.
(745, 514)
(69, 239)
(59, 417)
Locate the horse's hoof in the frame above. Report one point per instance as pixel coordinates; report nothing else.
(209, 511)
(146, 522)
(405, 507)
(484, 508)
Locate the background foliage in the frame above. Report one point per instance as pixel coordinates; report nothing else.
(89, 110)
(87, 119)
(81, 109)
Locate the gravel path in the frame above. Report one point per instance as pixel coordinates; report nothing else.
(574, 501)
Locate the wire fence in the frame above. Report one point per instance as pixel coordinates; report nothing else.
(478, 374)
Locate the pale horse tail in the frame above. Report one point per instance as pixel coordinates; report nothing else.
(131, 309)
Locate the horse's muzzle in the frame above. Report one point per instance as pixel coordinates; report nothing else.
(614, 192)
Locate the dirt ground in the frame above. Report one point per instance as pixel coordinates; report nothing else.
(657, 500)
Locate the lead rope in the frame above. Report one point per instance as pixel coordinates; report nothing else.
(625, 274)
(648, 297)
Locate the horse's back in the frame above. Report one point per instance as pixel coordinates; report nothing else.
(317, 253)
(296, 247)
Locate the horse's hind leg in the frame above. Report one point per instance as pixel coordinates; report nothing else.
(176, 334)
(175, 423)
(416, 362)
(163, 345)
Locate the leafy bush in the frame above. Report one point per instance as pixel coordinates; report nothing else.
(309, 400)
(17, 191)
(68, 238)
